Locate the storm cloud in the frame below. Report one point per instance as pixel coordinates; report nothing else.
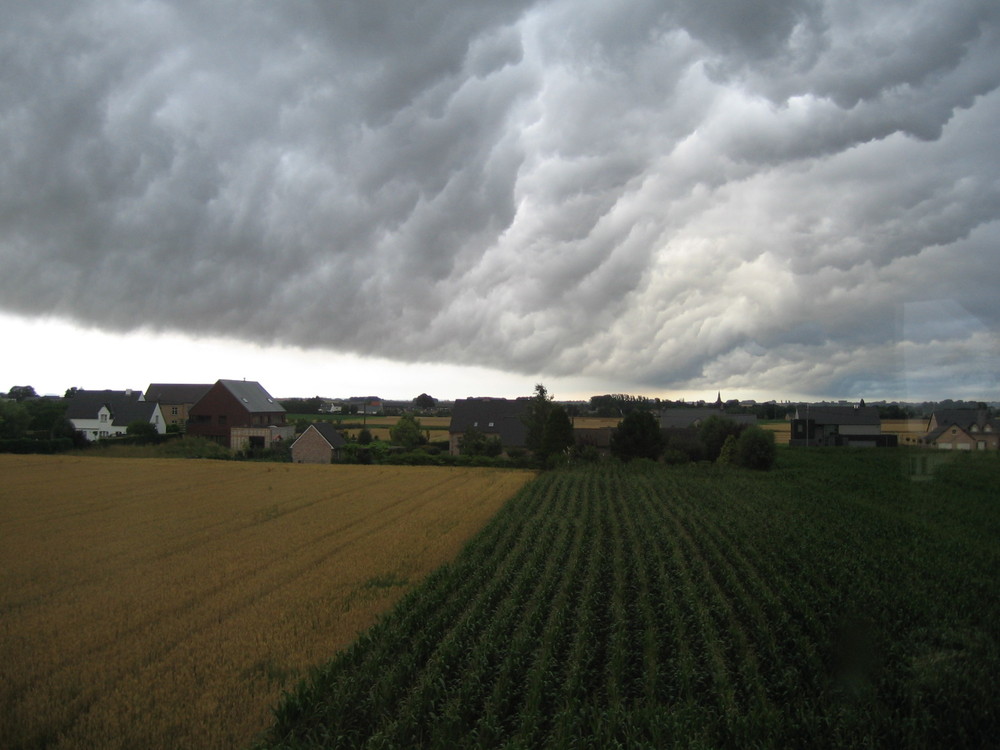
(692, 194)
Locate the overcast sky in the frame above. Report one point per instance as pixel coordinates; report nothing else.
(771, 198)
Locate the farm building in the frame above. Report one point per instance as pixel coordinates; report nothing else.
(101, 414)
(176, 400)
(683, 419)
(320, 443)
(963, 429)
(858, 426)
(239, 414)
(493, 417)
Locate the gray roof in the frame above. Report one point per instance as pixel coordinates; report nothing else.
(329, 433)
(133, 411)
(689, 417)
(125, 406)
(176, 393)
(964, 418)
(252, 395)
(492, 416)
(847, 415)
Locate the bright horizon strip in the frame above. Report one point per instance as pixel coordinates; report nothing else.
(53, 355)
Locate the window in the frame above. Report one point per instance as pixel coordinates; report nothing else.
(104, 417)
(173, 411)
(491, 424)
(222, 419)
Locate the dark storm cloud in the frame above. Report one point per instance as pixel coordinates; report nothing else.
(743, 194)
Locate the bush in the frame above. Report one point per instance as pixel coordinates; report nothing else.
(675, 456)
(684, 441)
(755, 449)
(713, 433)
(638, 436)
(195, 447)
(142, 431)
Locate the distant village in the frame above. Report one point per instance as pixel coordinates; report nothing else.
(243, 416)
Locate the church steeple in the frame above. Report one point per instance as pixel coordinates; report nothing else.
(718, 401)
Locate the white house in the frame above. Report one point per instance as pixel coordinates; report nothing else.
(101, 414)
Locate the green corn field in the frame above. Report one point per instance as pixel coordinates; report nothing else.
(832, 602)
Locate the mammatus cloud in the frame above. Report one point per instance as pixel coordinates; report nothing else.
(741, 194)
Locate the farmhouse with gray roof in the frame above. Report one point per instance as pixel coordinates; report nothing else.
(858, 426)
(963, 429)
(176, 399)
(494, 417)
(102, 414)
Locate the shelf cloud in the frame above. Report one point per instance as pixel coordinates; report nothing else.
(708, 194)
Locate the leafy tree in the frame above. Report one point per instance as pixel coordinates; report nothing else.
(407, 432)
(683, 442)
(14, 419)
(536, 418)
(713, 433)
(365, 436)
(558, 434)
(423, 401)
(755, 449)
(728, 453)
(48, 416)
(620, 404)
(476, 443)
(21, 392)
(70, 392)
(638, 436)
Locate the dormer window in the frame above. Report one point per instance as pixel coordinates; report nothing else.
(491, 424)
(974, 428)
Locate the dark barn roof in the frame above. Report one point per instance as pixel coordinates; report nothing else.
(492, 416)
(682, 418)
(176, 393)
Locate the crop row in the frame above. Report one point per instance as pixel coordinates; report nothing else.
(642, 606)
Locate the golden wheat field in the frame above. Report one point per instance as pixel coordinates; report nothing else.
(158, 603)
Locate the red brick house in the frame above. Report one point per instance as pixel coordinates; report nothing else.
(239, 414)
